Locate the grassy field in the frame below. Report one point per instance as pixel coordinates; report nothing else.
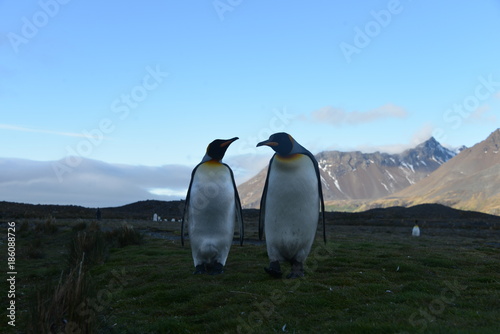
(366, 279)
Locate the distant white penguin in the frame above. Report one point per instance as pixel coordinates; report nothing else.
(415, 231)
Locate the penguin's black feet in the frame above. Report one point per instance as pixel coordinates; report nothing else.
(200, 269)
(217, 269)
(274, 269)
(297, 270)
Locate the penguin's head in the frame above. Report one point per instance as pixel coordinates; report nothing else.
(281, 142)
(217, 149)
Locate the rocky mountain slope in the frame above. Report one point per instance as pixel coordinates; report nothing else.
(471, 181)
(363, 176)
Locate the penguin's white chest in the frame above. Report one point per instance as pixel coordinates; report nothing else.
(291, 207)
(211, 213)
(212, 192)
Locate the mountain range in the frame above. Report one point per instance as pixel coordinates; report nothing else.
(467, 178)
(469, 181)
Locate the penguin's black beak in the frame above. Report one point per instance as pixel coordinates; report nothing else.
(228, 142)
(267, 143)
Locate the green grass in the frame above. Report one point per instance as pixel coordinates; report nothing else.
(360, 282)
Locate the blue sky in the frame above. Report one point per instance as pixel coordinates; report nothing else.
(152, 83)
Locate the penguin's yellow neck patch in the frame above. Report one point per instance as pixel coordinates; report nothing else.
(212, 163)
(289, 158)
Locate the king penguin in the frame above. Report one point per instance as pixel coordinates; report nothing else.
(416, 230)
(290, 204)
(212, 203)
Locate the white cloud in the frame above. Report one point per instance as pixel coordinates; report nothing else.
(483, 114)
(339, 117)
(422, 134)
(95, 183)
(168, 192)
(24, 129)
(91, 184)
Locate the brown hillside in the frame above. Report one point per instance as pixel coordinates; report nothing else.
(471, 180)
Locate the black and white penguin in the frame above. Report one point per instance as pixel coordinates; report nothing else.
(416, 230)
(290, 204)
(212, 203)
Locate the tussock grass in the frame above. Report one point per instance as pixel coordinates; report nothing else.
(127, 235)
(34, 249)
(23, 228)
(71, 301)
(79, 226)
(49, 226)
(62, 307)
(88, 246)
(59, 309)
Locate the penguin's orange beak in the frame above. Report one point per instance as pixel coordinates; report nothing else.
(267, 143)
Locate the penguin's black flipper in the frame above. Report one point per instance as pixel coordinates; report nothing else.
(186, 206)
(320, 190)
(262, 211)
(239, 212)
(239, 218)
